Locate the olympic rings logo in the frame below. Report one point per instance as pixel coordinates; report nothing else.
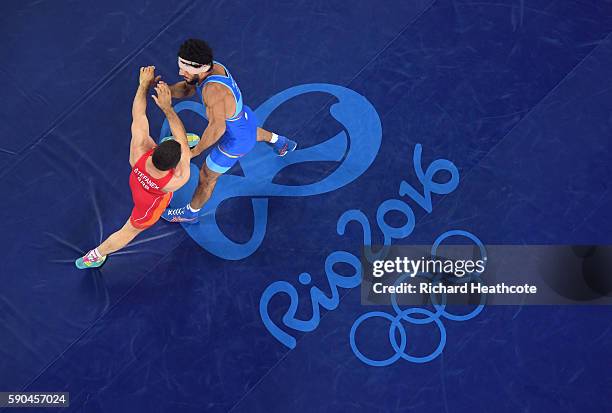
(407, 315)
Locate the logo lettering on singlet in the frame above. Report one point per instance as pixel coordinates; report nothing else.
(146, 182)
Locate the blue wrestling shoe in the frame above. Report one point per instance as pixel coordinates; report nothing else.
(284, 145)
(183, 214)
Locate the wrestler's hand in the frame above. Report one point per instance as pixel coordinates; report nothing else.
(195, 152)
(164, 97)
(147, 76)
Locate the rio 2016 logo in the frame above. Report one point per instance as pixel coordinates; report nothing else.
(362, 128)
(335, 280)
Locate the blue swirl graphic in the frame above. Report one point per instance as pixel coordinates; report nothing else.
(362, 128)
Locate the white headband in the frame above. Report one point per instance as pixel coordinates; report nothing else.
(189, 67)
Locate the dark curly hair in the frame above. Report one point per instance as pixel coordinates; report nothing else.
(196, 50)
(167, 155)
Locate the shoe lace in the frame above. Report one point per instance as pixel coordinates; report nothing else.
(91, 257)
(177, 211)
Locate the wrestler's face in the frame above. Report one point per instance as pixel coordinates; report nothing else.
(189, 77)
(193, 71)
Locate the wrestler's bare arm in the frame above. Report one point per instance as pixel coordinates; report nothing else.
(141, 140)
(182, 90)
(214, 99)
(164, 101)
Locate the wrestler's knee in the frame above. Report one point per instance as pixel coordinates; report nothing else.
(208, 177)
(131, 229)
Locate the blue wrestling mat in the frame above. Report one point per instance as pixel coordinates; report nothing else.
(413, 118)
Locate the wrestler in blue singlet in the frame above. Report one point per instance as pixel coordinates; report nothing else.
(240, 130)
(194, 60)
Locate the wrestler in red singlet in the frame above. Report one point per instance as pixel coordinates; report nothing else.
(157, 170)
(147, 192)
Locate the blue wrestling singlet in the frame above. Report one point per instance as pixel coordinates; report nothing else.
(240, 130)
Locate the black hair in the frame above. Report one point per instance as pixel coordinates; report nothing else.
(196, 50)
(167, 155)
